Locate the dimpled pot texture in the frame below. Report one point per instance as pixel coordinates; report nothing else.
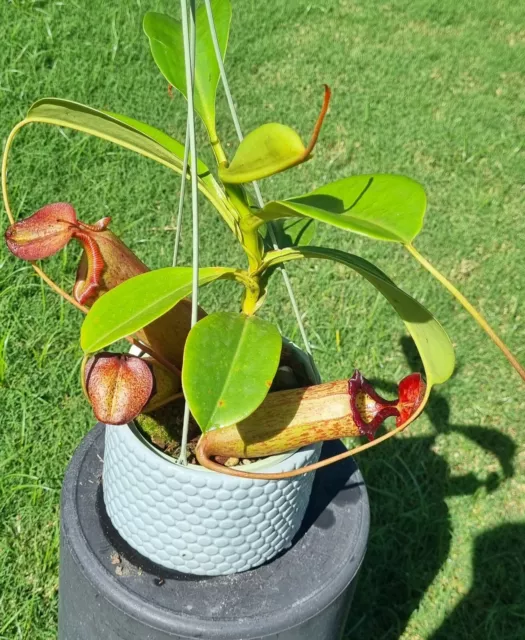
(196, 521)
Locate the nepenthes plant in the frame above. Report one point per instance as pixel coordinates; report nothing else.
(228, 365)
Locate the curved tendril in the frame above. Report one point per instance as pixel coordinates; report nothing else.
(514, 362)
(320, 120)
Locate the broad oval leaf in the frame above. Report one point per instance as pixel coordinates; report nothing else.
(433, 344)
(381, 206)
(265, 151)
(270, 149)
(130, 134)
(139, 301)
(122, 130)
(230, 361)
(166, 43)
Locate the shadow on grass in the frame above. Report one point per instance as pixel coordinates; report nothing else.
(494, 607)
(411, 529)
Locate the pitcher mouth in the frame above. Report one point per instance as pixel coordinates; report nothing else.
(370, 410)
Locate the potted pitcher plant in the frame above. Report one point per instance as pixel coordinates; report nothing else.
(225, 489)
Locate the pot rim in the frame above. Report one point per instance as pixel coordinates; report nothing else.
(265, 463)
(259, 465)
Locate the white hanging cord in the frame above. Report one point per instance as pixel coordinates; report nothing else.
(258, 194)
(189, 64)
(178, 228)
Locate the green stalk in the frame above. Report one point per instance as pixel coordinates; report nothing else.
(250, 239)
(470, 308)
(218, 151)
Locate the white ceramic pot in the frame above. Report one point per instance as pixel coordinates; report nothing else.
(198, 521)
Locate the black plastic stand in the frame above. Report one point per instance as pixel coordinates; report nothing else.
(109, 592)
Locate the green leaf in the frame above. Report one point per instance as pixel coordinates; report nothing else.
(126, 132)
(139, 301)
(382, 206)
(130, 134)
(270, 149)
(291, 233)
(122, 130)
(265, 151)
(230, 361)
(166, 43)
(431, 340)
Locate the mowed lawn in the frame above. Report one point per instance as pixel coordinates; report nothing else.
(433, 90)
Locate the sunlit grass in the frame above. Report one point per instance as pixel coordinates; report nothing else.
(432, 90)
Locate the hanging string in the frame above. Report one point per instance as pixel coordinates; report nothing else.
(258, 194)
(178, 227)
(189, 65)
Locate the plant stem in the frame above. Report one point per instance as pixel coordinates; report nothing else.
(258, 194)
(218, 151)
(58, 289)
(251, 298)
(470, 308)
(251, 241)
(7, 147)
(156, 356)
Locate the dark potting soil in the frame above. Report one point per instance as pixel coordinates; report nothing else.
(163, 428)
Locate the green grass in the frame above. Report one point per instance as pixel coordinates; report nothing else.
(432, 90)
